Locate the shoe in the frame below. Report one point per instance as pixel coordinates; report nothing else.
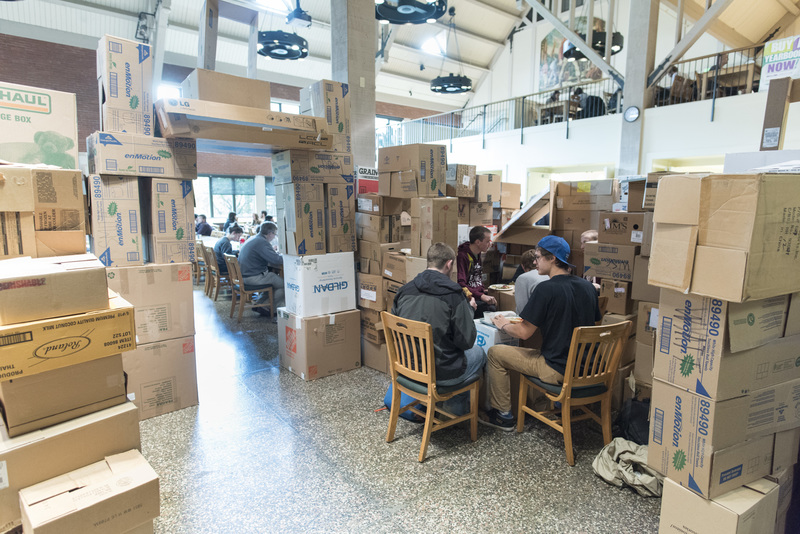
(264, 312)
(494, 419)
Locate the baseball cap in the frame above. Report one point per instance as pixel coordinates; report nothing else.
(556, 246)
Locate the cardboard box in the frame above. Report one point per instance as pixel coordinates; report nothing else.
(640, 289)
(647, 322)
(377, 228)
(429, 161)
(301, 218)
(438, 222)
(578, 221)
(17, 236)
(39, 126)
(315, 347)
(162, 376)
(114, 495)
(168, 208)
(643, 370)
(784, 456)
(340, 217)
(599, 187)
(318, 285)
(43, 454)
(306, 166)
(161, 296)
(651, 188)
(401, 267)
(699, 443)
(625, 228)
(636, 189)
(398, 184)
(793, 316)
(126, 154)
(375, 204)
(372, 326)
(462, 180)
(38, 346)
(44, 399)
(727, 236)
(745, 510)
(125, 83)
(619, 296)
(375, 356)
(464, 211)
(202, 84)
(510, 195)
(371, 255)
(506, 300)
(480, 213)
(527, 225)
(390, 289)
(64, 285)
(609, 261)
(489, 336)
(774, 409)
(585, 202)
(330, 100)
(370, 292)
(488, 188)
(785, 481)
(116, 220)
(367, 179)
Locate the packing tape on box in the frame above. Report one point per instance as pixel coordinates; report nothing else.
(298, 322)
(331, 319)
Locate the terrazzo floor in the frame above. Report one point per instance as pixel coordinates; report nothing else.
(267, 452)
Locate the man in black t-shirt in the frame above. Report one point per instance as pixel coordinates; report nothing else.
(556, 307)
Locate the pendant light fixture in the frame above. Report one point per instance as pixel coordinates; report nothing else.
(598, 44)
(409, 11)
(277, 44)
(453, 83)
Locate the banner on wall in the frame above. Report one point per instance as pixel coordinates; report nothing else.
(781, 60)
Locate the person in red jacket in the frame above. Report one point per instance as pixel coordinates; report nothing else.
(470, 270)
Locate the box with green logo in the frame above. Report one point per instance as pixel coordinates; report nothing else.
(340, 217)
(305, 166)
(116, 237)
(331, 100)
(168, 208)
(139, 155)
(301, 218)
(38, 126)
(125, 83)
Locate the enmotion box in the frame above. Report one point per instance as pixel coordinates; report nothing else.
(126, 154)
(125, 82)
(116, 220)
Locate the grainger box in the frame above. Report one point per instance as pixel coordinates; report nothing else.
(317, 285)
(116, 220)
(168, 206)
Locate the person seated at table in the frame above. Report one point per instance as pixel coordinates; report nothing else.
(470, 269)
(231, 220)
(722, 61)
(201, 227)
(255, 258)
(256, 220)
(265, 217)
(554, 97)
(527, 281)
(223, 246)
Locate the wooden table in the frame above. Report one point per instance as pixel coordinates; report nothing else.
(562, 108)
(740, 76)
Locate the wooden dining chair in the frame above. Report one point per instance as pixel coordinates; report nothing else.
(592, 364)
(217, 278)
(413, 372)
(199, 265)
(244, 293)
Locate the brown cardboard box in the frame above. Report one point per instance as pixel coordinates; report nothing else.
(168, 219)
(643, 371)
(587, 188)
(49, 452)
(340, 218)
(429, 161)
(510, 195)
(307, 166)
(324, 345)
(585, 202)
(463, 210)
(44, 399)
(17, 236)
(793, 316)
(577, 221)
(125, 84)
(375, 356)
(480, 213)
(68, 285)
(609, 261)
(651, 188)
(621, 228)
(301, 218)
(123, 154)
(117, 234)
(787, 445)
(371, 255)
(502, 216)
(488, 188)
(372, 326)
(370, 292)
(438, 221)
(162, 376)
(39, 346)
(202, 84)
(401, 267)
(398, 184)
(505, 299)
(94, 495)
(161, 296)
(618, 294)
(641, 290)
(330, 100)
(636, 189)
(621, 391)
(462, 180)
(375, 204)
(522, 228)
(377, 228)
(647, 314)
(390, 289)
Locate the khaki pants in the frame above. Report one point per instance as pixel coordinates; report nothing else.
(504, 358)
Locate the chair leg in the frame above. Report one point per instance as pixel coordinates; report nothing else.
(473, 410)
(394, 412)
(208, 284)
(243, 297)
(217, 283)
(430, 414)
(233, 301)
(272, 304)
(566, 423)
(523, 400)
(605, 416)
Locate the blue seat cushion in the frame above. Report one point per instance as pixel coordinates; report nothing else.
(577, 393)
(419, 387)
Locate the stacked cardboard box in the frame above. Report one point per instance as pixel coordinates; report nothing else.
(726, 341)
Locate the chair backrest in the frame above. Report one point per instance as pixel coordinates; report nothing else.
(602, 304)
(234, 272)
(594, 354)
(211, 259)
(410, 347)
(199, 246)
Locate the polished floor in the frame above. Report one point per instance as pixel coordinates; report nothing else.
(267, 452)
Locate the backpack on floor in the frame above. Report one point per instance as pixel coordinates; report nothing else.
(404, 399)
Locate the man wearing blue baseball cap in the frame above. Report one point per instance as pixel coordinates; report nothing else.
(556, 307)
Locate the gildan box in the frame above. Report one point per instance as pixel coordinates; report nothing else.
(301, 218)
(732, 237)
(43, 454)
(603, 260)
(647, 322)
(462, 180)
(510, 195)
(429, 161)
(116, 220)
(480, 213)
(749, 509)
(375, 356)
(202, 84)
(318, 285)
(315, 347)
(641, 290)
(576, 220)
(619, 296)
(378, 228)
(47, 344)
(370, 292)
(125, 82)
(45, 399)
(489, 336)
(643, 370)
(793, 316)
(371, 255)
(375, 204)
(114, 495)
(17, 236)
(625, 228)
(438, 221)
(168, 207)
(328, 99)
(161, 295)
(700, 443)
(372, 326)
(398, 184)
(401, 267)
(162, 376)
(488, 188)
(126, 154)
(784, 456)
(306, 166)
(41, 126)
(340, 217)
(67, 284)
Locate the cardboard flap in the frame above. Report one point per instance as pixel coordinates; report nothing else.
(720, 273)
(672, 256)
(727, 210)
(678, 199)
(537, 207)
(16, 188)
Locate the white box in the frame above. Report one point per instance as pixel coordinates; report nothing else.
(319, 285)
(141, 155)
(489, 336)
(125, 74)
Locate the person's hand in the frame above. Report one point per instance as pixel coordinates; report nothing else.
(489, 300)
(500, 321)
(473, 303)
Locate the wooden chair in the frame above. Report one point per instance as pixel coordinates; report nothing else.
(213, 273)
(592, 364)
(243, 293)
(199, 264)
(413, 372)
(204, 250)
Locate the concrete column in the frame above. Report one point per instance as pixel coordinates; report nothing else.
(639, 64)
(354, 43)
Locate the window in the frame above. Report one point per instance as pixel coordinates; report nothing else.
(436, 45)
(168, 90)
(565, 5)
(284, 107)
(271, 205)
(232, 193)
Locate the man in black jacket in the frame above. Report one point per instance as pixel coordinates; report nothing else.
(432, 297)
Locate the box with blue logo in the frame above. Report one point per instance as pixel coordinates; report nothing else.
(168, 207)
(489, 336)
(301, 218)
(340, 217)
(116, 237)
(306, 166)
(139, 155)
(125, 76)
(317, 285)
